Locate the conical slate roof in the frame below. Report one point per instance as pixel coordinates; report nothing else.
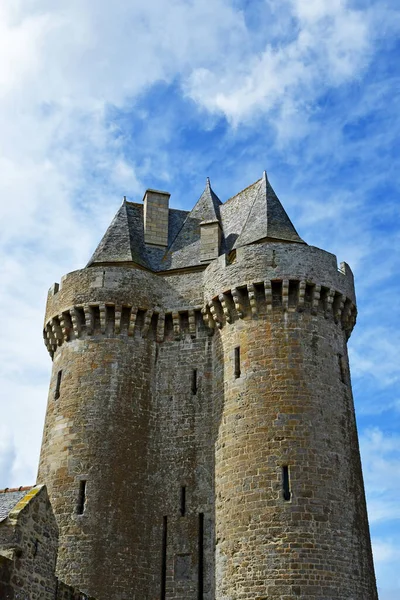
(186, 246)
(252, 215)
(267, 218)
(116, 244)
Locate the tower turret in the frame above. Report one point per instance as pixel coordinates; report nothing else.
(200, 438)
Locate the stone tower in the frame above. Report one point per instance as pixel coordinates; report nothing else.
(200, 439)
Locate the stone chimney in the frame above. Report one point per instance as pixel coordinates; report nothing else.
(156, 217)
(210, 238)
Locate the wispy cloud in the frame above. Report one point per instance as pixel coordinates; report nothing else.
(97, 102)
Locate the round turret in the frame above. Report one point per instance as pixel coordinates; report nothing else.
(290, 513)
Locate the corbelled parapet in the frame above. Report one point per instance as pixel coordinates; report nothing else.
(110, 301)
(279, 277)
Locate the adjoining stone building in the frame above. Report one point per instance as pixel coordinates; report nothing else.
(200, 439)
(28, 547)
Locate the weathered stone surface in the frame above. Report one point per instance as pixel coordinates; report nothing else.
(184, 393)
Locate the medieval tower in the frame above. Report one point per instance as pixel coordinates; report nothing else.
(200, 439)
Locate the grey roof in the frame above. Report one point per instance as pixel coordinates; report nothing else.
(253, 214)
(8, 500)
(267, 218)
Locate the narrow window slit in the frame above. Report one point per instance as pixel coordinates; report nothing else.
(81, 497)
(285, 483)
(58, 385)
(237, 362)
(164, 559)
(183, 501)
(342, 369)
(200, 586)
(194, 382)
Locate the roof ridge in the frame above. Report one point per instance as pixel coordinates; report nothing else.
(21, 488)
(241, 191)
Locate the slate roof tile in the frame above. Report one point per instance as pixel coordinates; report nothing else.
(10, 498)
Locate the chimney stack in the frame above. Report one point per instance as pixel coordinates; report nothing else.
(156, 208)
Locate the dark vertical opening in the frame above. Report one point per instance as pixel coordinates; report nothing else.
(342, 368)
(153, 326)
(139, 323)
(125, 317)
(184, 322)
(81, 497)
(276, 290)
(230, 257)
(110, 318)
(323, 298)
(200, 586)
(164, 559)
(237, 362)
(285, 483)
(95, 310)
(183, 501)
(308, 294)
(194, 382)
(169, 327)
(58, 385)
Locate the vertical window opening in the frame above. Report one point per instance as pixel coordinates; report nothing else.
(237, 362)
(81, 497)
(285, 483)
(194, 382)
(164, 559)
(342, 368)
(58, 385)
(200, 587)
(183, 501)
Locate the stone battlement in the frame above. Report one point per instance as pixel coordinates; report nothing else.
(110, 320)
(266, 297)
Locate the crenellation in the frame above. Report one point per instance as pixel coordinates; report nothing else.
(285, 294)
(103, 315)
(147, 321)
(117, 322)
(160, 334)
(225, 307)
(252, 298)
(132, 321)
(238, 302)
(315, 298)
(192, 323)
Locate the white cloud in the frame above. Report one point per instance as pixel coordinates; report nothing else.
(381, 468)
(331, 46)
(64, 68)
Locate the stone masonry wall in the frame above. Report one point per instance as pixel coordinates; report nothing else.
(183, 412)
(291, 406)
(97, 431)
(29, 538)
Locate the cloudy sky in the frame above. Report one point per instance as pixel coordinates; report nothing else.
(100, 100)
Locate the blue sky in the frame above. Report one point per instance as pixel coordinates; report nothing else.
(98, 101)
